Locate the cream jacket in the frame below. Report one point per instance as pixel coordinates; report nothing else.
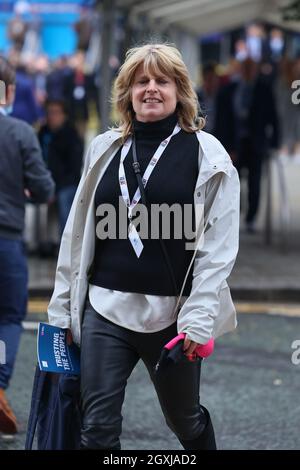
(209, 310)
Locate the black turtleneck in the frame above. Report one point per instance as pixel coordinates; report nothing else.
(173, 180)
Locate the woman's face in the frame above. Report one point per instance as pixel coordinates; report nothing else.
(153, 98)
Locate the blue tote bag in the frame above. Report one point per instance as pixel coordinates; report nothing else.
(55, 412)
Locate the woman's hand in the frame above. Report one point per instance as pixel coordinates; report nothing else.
(189, 346)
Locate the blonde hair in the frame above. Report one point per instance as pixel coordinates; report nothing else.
(157, 59)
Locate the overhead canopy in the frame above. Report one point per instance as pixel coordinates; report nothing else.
(207, 16)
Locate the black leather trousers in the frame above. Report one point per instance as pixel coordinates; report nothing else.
(109, 354)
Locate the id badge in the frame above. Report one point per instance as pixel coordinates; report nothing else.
(78, 93)
(135, 240)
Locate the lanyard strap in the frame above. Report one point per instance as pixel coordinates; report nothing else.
(153, 162)
(136, 168)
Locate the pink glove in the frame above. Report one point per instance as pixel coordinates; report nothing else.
(203, 350)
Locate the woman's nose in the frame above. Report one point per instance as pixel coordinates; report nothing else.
(151, 85)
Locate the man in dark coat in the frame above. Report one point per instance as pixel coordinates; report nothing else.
(22, 170)
(63, 152)
(246, 124)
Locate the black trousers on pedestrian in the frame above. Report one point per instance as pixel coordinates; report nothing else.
(109, 354)
(249, 158)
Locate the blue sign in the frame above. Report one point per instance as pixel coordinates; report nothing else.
(54, 354)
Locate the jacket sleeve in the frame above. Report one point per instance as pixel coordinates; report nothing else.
(37, 179)
(214, 258)
(59, 307)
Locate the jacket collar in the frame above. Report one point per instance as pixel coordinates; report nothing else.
(214, 159)
(102, 144)
(111, 136)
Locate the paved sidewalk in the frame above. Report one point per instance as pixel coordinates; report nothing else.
(266, 273)
(249, 384)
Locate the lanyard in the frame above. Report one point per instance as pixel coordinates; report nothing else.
(153, 162)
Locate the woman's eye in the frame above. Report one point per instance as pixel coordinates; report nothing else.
(159, 80)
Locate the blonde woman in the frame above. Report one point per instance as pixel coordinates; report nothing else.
(116, 288)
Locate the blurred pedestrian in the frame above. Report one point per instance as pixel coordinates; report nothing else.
(76, 93)
(288, 112)
(247, 126)
(25, 105)
(55, 81)
(117, 295)
(207, 95)
(21, 169)
(62, 149)
(40, 69)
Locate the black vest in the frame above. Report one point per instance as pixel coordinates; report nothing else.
(173, 180)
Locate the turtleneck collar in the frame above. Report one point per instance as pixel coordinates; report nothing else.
(157, 129)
